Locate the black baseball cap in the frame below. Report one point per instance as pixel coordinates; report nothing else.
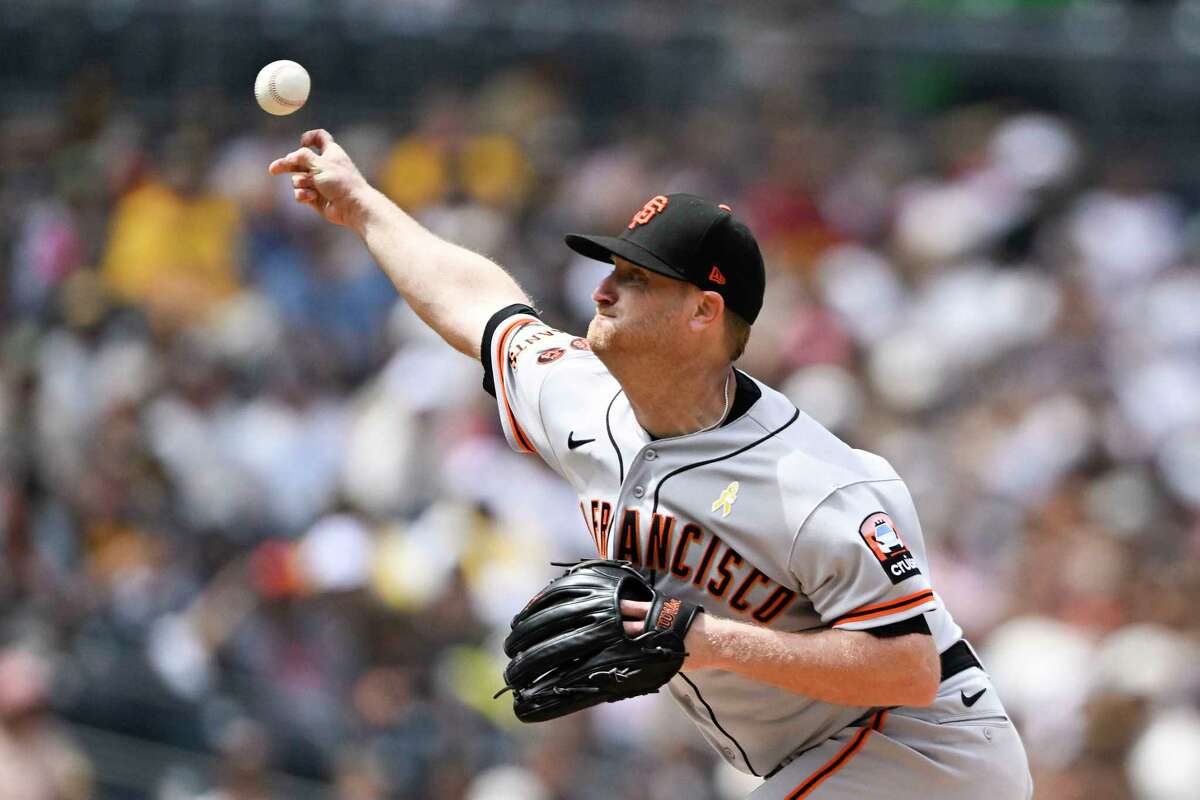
(690, 239)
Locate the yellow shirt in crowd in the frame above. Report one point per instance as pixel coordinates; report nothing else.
(171, 253)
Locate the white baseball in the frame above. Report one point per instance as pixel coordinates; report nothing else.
(281, 87)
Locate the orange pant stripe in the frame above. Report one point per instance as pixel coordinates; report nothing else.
(840, 760)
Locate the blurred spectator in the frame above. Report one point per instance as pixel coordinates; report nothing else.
(173, 248)
(37, 761)
(244, 750)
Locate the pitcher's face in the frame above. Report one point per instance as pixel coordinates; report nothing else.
(639, 311)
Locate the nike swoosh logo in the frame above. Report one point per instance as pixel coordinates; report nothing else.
(572, 442)
(970, 701)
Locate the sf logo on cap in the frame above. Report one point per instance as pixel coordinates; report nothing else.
(653, 206)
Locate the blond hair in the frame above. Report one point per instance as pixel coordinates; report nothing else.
(737, 334)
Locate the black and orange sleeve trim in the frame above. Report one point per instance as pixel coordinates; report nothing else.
(489, 331)
(840, 760)
(885, 608)
(523, 440)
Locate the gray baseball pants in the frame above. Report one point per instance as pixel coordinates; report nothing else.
(945, 751)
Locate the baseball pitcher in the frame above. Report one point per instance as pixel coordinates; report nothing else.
(773, 578)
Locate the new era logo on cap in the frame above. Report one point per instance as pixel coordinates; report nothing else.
(691, 239)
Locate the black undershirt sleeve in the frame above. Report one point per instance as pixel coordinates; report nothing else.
(915, 624)
(485, 347)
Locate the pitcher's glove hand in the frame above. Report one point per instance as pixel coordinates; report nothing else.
(569, 650)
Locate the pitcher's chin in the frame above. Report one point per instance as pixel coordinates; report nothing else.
(600, 333)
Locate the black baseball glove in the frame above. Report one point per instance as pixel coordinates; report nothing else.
(569, 650)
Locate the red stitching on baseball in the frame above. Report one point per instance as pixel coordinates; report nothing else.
(276, 96)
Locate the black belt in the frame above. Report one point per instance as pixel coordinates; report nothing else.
(957, 657)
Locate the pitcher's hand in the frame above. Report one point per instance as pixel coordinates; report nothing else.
(324, 177)
(633, 616)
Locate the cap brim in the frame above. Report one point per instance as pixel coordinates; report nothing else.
(603, 248)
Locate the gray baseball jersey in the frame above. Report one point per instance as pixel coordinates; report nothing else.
(768, 519)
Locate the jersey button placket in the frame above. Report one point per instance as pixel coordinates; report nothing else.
(639, 492)
(650, 455)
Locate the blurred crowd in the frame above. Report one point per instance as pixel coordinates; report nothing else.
(251, 508)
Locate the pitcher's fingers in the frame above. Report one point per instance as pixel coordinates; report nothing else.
(303, 180)
(306, 196)
(318, 139)
(296, 161)
(634, 628)
(634, 609)
(282, 165)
